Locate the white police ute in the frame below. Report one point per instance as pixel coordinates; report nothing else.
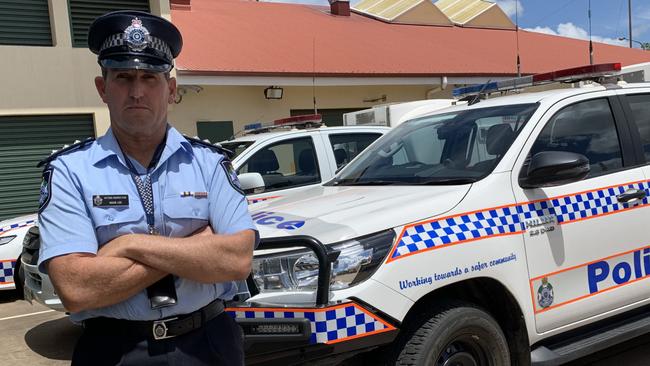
(295, 153)
(12, 234)
(508, 231)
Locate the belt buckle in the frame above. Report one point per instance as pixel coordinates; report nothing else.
(160, 329)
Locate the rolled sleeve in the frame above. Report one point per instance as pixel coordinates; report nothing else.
(64, 222)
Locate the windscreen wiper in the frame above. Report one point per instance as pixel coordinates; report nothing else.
(447, 181)
(369, 183)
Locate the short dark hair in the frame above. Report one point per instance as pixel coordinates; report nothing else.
(105, 73)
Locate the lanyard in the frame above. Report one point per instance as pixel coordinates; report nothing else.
(144, 186)
(163, 292)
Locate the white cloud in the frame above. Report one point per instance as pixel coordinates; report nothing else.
(509, 7)
(573, 31)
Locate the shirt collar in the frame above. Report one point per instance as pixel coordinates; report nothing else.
(107, 147)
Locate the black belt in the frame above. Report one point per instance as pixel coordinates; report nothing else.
(156, 329)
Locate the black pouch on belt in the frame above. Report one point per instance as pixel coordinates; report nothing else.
(162, 293)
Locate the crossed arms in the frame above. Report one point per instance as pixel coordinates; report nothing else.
(130, 263)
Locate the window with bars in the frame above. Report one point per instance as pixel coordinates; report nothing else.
(83, 12)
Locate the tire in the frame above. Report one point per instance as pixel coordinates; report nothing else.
(456, 335)
(19, 279)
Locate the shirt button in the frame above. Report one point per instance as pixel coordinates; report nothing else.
(109, 217)
(196, 212)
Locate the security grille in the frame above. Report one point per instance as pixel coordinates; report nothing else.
(83, 12)
(25, 22)
(24, 141)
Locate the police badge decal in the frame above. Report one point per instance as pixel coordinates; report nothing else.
(46, 189)
(545, 294)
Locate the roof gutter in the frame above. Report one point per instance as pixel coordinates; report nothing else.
(225, 80)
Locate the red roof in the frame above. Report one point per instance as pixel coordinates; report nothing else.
(226, 37)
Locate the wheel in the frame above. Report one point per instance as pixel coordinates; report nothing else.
(457, 335)
(19, 278)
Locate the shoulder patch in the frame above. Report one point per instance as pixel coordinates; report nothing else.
(46, 189)
(232, 175)
(206, 143)
(66, 149)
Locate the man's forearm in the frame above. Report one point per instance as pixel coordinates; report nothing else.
(202, 258)
(86, 282)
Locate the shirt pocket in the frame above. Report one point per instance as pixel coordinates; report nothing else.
(111, 222)
(185, 215)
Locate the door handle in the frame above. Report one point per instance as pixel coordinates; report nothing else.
(631, 195)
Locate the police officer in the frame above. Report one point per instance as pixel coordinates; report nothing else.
(144, 232)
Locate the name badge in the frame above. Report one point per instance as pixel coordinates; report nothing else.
(113, 200)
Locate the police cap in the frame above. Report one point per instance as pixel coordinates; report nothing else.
(131, 39)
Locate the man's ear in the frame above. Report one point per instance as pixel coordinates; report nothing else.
(100, 84)
(171, 84)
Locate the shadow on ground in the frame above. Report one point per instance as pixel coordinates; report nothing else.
(9, 296)
(54, 339)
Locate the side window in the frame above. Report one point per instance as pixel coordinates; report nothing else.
(285, 164)
(348, 145)
(640, 106)
(585, 128)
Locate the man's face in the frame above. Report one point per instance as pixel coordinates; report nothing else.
(137, 100)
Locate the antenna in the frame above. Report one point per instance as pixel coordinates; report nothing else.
(517, 36)
(313, 75)
(591, 46)
(629, 20)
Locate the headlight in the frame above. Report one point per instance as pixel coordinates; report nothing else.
(298, 270)
(6, 239)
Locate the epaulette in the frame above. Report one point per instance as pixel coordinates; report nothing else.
(65, 149)
(206, 143)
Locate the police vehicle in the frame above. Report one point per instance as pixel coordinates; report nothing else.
(508, 231)
(294, 153)
(12, 234)
(277, 159)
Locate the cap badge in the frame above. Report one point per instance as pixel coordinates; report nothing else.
(137, 36)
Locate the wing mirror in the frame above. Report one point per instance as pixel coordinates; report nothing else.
(251, 183)
(553, 168)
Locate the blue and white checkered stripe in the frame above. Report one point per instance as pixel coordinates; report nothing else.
(584, 205)
(7, 271)
(510, 219)
(16, 226)
(456, 229)
(328, 325)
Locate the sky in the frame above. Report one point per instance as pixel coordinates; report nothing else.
(609, 18)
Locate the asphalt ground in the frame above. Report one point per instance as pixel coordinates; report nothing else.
(36, 335)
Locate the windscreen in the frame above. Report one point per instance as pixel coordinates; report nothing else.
(452, 148)
(237, 147)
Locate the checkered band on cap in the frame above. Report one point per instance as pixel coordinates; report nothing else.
(328, 325)
(490, 222)
(119, 39)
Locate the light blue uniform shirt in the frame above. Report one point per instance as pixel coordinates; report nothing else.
(70, 223)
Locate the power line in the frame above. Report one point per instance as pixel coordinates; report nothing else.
(538, 21)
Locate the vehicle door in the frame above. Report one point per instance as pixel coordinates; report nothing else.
(582, 237)
(287, 166)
